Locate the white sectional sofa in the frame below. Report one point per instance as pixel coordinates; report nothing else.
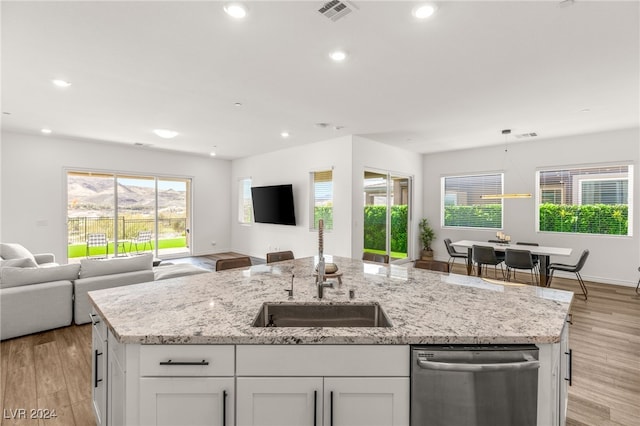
(37, 294)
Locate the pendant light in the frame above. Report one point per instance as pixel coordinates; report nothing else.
(506, 133)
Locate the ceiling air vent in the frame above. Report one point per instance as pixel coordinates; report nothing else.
(526, 135)
(336, 9)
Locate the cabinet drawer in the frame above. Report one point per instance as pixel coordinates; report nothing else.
(187, 360)
(98, 324)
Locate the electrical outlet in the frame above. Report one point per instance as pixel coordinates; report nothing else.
(213, 243)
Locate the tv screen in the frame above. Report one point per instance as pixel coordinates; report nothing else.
(273, 204)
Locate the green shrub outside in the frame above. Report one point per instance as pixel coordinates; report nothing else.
(325, 213)
(476, 216)
(375, 228)
(612, 219)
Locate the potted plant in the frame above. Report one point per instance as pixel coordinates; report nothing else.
(427, 235)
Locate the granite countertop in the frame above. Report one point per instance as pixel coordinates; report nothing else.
(424, 307)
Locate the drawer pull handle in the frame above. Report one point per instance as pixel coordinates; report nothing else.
(170, 362)
(97, 367)
(92, 321)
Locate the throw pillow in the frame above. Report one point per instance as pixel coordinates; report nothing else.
(14, 277)
(98, 267)
(24, 262)
(14, 251)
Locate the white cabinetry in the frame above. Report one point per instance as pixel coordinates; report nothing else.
(378, 395)
(99, 369)
(186, 385)
(285, 401)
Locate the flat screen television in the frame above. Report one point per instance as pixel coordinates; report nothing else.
(273, 204)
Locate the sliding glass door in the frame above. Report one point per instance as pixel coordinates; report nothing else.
(120, 215)
(387, 214)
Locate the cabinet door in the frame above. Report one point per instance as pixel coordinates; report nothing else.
(279, 401)
(115, 391)
(565, 373)
(98, 376)
(186, 401)
(366, 401)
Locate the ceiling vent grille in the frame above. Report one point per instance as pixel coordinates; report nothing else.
(526, 135)
(336, 9)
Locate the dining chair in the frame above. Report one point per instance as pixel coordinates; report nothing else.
(536, 258)
(485, 255)
(144, 238)
(279, 256)
(571, 268)
(453, 254)
(499, 254)
(432, 265)
(236, 262)
(97, 240)
(520, 259)
(373, 257)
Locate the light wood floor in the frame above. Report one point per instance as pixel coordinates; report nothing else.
(52, 370)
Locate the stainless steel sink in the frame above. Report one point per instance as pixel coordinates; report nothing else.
(321, 315)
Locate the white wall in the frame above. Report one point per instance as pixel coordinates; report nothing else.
(371, 155)
(612, 259)
(33, 195)
(292, 166)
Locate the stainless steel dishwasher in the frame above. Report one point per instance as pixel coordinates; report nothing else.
(474, 385)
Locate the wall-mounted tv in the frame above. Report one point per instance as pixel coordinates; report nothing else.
(273, 204)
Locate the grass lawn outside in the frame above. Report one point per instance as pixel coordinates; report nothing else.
(394, 254)
(80, 250)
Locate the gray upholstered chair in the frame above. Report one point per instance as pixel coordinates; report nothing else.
(520, 259)
(237, 262)
(373, 257)
(571, 268)
(279, 256)
(485, 255)
(453, 254)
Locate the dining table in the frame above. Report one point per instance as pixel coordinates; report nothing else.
(543, 253)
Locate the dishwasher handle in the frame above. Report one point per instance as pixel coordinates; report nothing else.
(475, 368)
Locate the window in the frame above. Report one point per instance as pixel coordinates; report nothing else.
(245, 209)
(321, 198)
(462, 205)
(589, 200)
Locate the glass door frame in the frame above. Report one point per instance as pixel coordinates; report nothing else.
(118, 250)
(389, 176)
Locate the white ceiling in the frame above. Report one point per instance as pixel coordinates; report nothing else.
(450, 82)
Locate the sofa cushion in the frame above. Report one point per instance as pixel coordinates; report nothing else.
(14, 251)
(23, 262)
(14, 277)
(98, 267)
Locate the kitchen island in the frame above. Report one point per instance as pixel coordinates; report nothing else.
(147, 331)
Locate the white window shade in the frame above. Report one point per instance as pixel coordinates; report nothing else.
(321, 198)
(463, 205)
(586, 200)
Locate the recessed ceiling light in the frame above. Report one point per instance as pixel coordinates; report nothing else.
(236, 10)
(165, 133)
(46, 131)
(284, 134)
(338, 55)
(212, 153)
(585, 110)
(61, 83)
(424, 11)
(6, 113)
(237, 104)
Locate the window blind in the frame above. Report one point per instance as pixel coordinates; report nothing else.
(322, 198)
(588, 200)
(462, 203)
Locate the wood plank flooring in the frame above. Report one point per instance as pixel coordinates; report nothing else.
(53, 369)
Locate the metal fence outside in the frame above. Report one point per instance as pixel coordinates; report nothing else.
(79, 227)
